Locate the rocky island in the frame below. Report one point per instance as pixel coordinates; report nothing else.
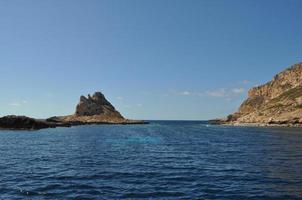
(95, 109)
(276, 103)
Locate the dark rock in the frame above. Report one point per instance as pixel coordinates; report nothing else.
(217, 121)
(96, 105)
(22, 123)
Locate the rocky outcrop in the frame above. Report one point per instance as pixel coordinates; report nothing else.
(25, 123)
(96, 104)
(276, 102)
(95, 109)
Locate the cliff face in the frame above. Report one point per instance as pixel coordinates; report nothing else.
(276, 102)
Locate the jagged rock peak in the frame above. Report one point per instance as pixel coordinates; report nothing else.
(98, 98)
(96, 104)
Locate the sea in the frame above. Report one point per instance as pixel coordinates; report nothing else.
(160, 160)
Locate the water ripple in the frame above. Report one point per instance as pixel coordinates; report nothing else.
(162, 160)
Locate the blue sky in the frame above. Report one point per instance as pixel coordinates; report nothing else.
(153, 59)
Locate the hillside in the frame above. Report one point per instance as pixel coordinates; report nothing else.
(277, 102)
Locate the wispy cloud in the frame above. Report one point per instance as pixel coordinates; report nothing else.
(18, 104)
(15, 104)
(184, 93)
(217, 93)
(120, 98)
(238, 90)
(245, 82)
(223, 93)
(227, 94)
(139, 105)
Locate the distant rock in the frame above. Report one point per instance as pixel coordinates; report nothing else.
(22, 123)
(95, 109)
(96, 105)
(278, 102)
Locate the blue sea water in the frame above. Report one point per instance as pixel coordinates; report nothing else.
(161, 160)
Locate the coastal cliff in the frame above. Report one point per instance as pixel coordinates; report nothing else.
(278, 102)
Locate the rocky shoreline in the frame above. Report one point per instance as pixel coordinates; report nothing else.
(13, 122)
(92, 110)
(255, 124)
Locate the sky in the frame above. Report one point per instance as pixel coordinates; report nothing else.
(152, 59)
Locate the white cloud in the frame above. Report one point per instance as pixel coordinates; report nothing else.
(179, 93)
(245, 82)
(16, 104)
(120, 98)
(238, 90)
(184, 93)
(139, 105)
(227, 94)
(217, 93)
(224, 93)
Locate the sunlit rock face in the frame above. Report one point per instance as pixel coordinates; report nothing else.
(277, 102)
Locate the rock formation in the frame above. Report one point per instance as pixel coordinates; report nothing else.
(276, 102)
(94, 109)
(96, 105)
(26, 123)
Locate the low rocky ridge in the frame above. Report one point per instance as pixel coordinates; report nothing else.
(278, 102)
(27, 123)
(95, 109)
